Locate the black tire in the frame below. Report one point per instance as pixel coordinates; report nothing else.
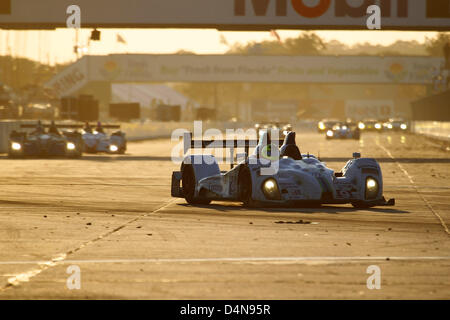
(188, 185)
(245, 187)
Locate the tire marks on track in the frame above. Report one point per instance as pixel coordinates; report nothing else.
(42, 266)
(413, 184)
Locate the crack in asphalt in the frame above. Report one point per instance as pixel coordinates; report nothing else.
(16, 280)
(416, 188)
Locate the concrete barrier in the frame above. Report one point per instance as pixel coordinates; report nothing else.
(434, 129)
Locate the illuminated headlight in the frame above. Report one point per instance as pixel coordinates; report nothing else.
(371, 188)
(16, 146)
(70, 146)
(378, 126)
(321, 126)
(270, 189)
(330, 133)
(285, 132)
(403, 126)
(361, 126)
(390, 126)
(113, 148)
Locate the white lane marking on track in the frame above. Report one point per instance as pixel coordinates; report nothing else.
(411, 180)
(237, 259)
(59, 258)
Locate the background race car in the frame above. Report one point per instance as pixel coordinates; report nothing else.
(283, 129)
(45, 143)
(97, 140)
(326, 124)
(396, 125)
(343, 131)
(272, 176)
(371, 125)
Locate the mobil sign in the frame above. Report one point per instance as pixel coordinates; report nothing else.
(344, 14)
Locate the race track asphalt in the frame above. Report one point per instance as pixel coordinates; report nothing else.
(113, 217)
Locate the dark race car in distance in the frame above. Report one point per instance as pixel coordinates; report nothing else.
(396, 125)
(370, 125)
(326, 124)
(283, 129)
(343, 131)
(42, 143)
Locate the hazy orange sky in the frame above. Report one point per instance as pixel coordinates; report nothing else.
(56, 46)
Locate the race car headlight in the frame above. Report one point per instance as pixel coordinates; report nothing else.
(390, 126)
(330, 133)
(270, 189)
(70, 146)
(378, 126)
(361, 126)
(113, 148)
(403, 126)
(16, 146)
(321, 126)
(371, 188)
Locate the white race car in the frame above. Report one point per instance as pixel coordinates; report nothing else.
(98, 141)
(300, 179)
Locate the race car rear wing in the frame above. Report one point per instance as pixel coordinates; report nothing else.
(232, 144)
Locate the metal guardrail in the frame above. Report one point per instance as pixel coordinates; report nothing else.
(435, 129)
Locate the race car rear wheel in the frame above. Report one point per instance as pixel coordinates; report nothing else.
(245, 187)
(188, 185)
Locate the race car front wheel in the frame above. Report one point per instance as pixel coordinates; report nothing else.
(188, 185)
(245, 187)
